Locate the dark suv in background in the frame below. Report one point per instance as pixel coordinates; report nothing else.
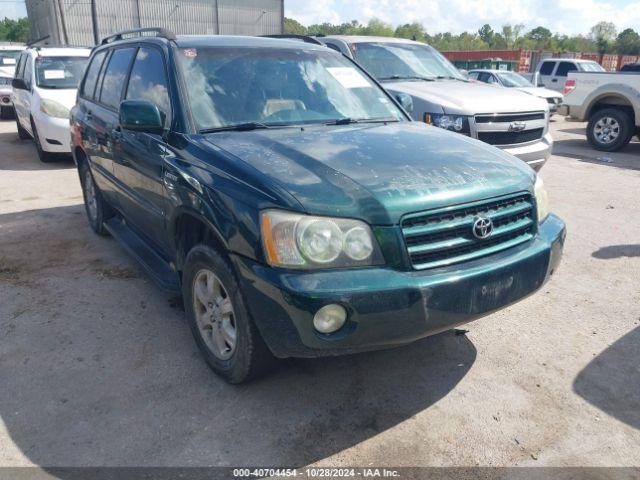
(292, 201)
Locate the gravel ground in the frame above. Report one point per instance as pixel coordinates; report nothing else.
(98, 368)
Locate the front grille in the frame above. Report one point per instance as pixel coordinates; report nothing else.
(443, 237)
(511, 138)
(509, 117)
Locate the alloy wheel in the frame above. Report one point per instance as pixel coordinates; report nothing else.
(606, 130)
(214, 314)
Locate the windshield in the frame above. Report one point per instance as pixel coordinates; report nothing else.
(393, 61)
(59, 72)
(591, 67)
(8, 57)
(235, 86)
(511, 79)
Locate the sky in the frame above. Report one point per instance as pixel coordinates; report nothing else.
(455, 16)
(562, 16)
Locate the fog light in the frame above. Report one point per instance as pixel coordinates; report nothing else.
(330, 318)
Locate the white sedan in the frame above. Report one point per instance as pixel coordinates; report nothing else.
(508, 79)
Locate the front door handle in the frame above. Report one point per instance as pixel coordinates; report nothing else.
(555, 80)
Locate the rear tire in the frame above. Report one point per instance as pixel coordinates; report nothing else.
(22, 133)
(45, 157)
(219, 321)
(6, 112)
(610, 129)
(98, 211)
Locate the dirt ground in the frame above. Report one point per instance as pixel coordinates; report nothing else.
(98, 368)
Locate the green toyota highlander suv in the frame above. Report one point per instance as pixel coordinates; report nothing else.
(292, 201)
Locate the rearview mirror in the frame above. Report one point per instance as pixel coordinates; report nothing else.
(140, 116)
(19, 84)
(405, 101)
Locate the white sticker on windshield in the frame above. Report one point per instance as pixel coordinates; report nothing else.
(349, 77)
(54, 74)
(9, 61)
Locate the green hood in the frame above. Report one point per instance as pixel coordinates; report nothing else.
(377, 172)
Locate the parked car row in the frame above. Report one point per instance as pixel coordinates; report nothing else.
(518, 82)
(8, 57)
(290, 198)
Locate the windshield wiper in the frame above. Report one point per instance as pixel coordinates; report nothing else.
(450, 77)
(348, 120)
(407, 77)
(240, 127)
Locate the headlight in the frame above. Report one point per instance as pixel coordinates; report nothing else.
(304, 241)
(542, 200)
(53, 108)
(455, 123)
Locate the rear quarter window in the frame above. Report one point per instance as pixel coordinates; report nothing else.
(565, 67)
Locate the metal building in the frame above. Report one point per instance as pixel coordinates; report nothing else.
(62, 22)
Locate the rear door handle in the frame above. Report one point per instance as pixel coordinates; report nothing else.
(555, 80)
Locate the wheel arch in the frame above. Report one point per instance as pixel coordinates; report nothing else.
(189, 228)
(619, 97)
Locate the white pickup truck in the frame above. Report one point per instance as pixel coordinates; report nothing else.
(552, 72)
(610, 102)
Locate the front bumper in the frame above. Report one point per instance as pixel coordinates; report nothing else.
(54, 133)
(535, 154)
(389, 307)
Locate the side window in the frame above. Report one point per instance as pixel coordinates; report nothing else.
(547, 68)
(492, 79)
(20, 66)
(91, 77)
(564, 68)
(148, 81)
(28, 71)
(115, 76)
(484, 77)
(473, 75)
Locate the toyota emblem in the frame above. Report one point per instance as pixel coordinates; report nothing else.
(482, 228)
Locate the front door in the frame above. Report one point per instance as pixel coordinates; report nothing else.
(139, 157)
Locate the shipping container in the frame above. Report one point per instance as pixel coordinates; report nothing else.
(69, 22)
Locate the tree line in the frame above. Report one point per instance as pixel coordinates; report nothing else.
(602, 38)
(14, 30)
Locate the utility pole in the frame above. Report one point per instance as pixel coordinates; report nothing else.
(63, 22)
(94, 22)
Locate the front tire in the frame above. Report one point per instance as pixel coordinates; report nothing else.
(45, 157)
(610, 129)
(219, 321)
(98, 211)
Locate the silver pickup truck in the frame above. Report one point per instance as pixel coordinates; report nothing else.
(610, 102)
(513, 121)
(552, 72)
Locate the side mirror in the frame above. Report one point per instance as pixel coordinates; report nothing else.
(405, 101)
(141, 116)
(19, 84)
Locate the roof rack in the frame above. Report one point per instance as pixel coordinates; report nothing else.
(302, 38)
(159, 32)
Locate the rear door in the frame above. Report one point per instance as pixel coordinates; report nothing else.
(546, 72)
(139, 161)
(89, 129)
(560, 75)
(104, 117)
